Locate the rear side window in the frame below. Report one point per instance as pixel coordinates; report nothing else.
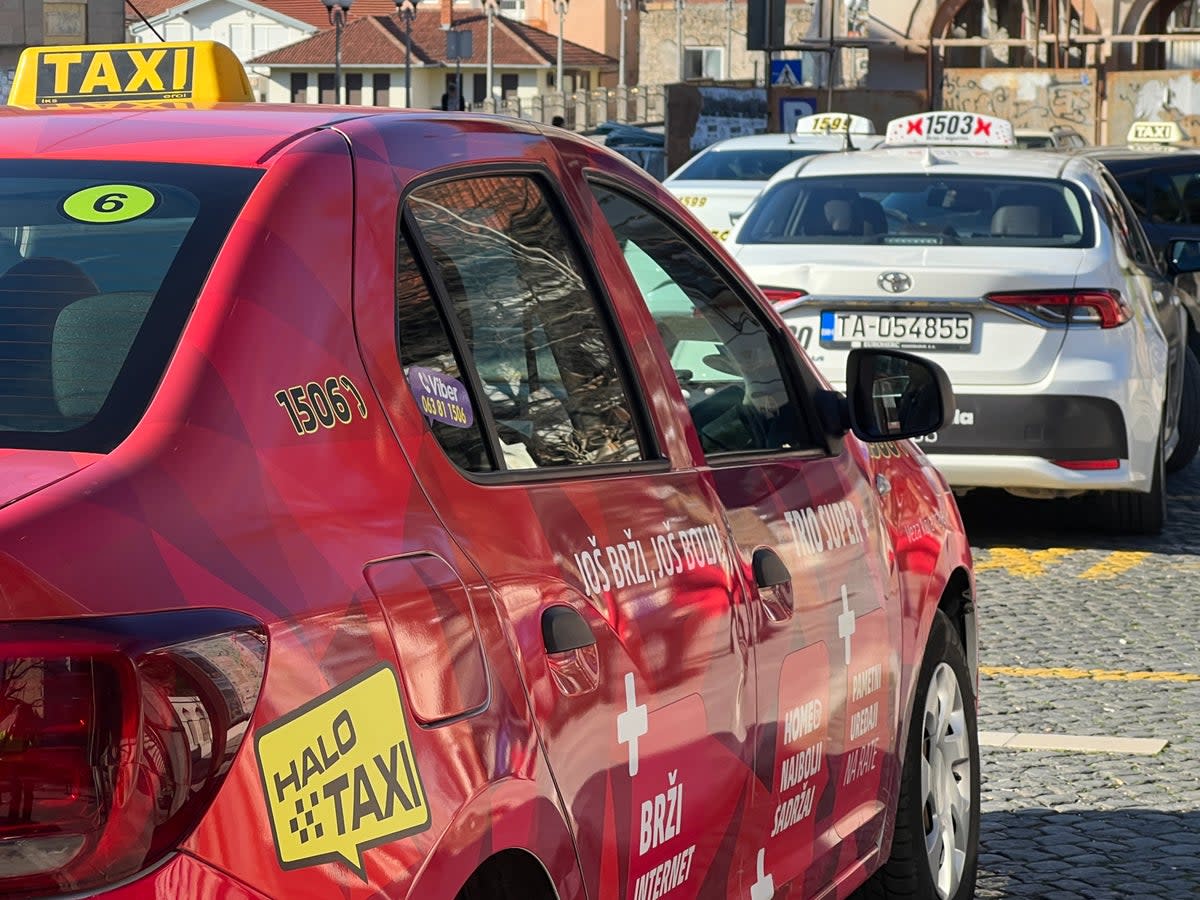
(953, 210)
(533, 340)
(100, 265)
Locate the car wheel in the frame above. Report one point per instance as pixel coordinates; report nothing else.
(1128, 512)
(936, 842)
(1189, 415)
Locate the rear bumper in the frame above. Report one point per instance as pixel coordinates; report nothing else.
(1046, 426)
(1031, 472)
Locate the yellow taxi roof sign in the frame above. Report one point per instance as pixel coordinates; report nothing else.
(834, 123)
(187, 73)
(1154, 133)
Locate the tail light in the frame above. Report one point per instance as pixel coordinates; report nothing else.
(783, 295)
(1107, 309)
(115, 734)
(1087, 465)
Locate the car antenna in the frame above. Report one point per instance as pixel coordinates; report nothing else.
(146, 21)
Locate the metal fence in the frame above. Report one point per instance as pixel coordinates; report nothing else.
(583, 110)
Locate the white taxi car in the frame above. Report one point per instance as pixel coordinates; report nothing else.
(722, 180)
(1021, 272)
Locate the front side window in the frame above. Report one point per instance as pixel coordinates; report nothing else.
(723, 356)
(962, 210)
(532, 330)
(100, 266)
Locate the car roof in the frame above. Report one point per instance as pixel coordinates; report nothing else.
(923, 160)
(783, 141)
(231, 134)
(1133, 153)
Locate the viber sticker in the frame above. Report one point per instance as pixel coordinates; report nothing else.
(339, 774)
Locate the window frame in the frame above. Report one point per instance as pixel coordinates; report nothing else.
(653, 457)
(800, 374)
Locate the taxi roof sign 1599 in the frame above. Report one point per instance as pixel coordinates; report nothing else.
(834, 123)
(949, 127)
(187, 73)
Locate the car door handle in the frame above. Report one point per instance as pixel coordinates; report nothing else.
(564, 629)
(769, 570)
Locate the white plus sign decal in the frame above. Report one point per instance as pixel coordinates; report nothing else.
(632, 723)
(764, 888)
(846, 623)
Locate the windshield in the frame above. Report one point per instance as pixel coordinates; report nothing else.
(740, 165)
(100, 264)
(921, 209)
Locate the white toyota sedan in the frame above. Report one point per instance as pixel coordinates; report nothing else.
(722, 180)
(1024, 274)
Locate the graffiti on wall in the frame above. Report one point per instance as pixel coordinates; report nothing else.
(1172, 96)
(1029, 98)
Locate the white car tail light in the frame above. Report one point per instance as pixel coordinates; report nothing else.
(1107, 309)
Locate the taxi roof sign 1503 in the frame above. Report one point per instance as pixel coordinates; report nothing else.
(949, 127)
(187, 73)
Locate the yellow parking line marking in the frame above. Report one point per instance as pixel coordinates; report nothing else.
(1093, 674)
(1011, 740)
(1024, 563)
(1116, 563)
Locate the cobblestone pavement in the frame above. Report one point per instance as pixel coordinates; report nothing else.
(1056, 603)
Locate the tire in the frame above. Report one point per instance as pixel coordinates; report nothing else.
(1128, 512)
(1189, 415)
(935, 847)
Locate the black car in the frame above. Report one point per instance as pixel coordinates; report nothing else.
(1159, 193)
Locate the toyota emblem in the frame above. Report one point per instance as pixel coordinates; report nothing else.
(895, 282)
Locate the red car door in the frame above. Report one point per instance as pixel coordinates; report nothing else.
(545, 446)
(805, 519)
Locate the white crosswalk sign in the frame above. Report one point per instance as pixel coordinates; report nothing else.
(786, 72)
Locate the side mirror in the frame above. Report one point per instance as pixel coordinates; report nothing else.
(1183, 255)
(894, 395)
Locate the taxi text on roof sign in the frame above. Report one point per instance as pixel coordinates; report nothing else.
(195, 73)
(1154, 133)
(948, 127)
(834, 123)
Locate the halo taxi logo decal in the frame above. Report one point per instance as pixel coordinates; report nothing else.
(894, 282)
(340, 776)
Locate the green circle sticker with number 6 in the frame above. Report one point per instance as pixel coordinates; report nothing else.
(106, 203)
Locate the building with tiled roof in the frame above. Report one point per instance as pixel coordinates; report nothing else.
(374, 51)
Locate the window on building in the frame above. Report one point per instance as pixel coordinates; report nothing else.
(299, 87)
(508, 86)
(239, 40)
(702, 62)
(326, 88)
(478, 87)
(382, 83)
(514, 9)
(354, 83)
(267, 38)
(177, 31)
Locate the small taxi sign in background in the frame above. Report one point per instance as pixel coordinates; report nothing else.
(1154, 133)
(195, 73)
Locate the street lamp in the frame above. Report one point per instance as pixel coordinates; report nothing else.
(337, 18)
(560, 9)
(490, 7)
(408, 12)
(624, 6)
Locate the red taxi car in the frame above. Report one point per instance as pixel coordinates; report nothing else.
(422, 505)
